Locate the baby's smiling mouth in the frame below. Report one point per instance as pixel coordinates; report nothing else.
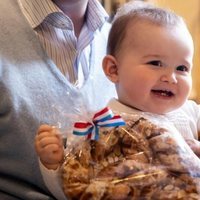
(164, 93)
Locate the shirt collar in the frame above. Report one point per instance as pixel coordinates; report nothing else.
(122, 109)
(36, 11)
(96, 15)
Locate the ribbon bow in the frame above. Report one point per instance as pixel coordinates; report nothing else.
(103, 118)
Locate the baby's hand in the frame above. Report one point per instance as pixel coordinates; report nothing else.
(194, 145)
(49, 146)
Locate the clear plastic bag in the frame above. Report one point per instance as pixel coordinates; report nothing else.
(145, 159)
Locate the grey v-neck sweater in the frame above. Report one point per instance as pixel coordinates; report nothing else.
(32, 91)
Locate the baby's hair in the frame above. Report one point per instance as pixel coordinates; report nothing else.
(136, 11)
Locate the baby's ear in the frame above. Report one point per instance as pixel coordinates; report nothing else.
(110, 68)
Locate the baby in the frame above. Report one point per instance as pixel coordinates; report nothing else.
(149, 59)
(150, 53)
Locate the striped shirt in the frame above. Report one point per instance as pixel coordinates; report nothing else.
(55, 31)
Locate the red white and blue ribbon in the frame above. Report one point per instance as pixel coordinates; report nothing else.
(103, 118)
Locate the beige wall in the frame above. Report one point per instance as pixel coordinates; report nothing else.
(108, 3)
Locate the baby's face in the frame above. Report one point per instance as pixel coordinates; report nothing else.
(154, 67)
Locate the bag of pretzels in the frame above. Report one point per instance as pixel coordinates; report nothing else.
(129, 157)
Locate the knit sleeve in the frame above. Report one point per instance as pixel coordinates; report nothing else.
(52, 180)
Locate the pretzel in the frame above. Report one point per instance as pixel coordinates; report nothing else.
(137, 161)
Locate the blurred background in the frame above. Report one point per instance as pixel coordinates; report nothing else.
(190, 11)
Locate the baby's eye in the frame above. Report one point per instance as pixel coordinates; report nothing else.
(182, 68)
(155, 62)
